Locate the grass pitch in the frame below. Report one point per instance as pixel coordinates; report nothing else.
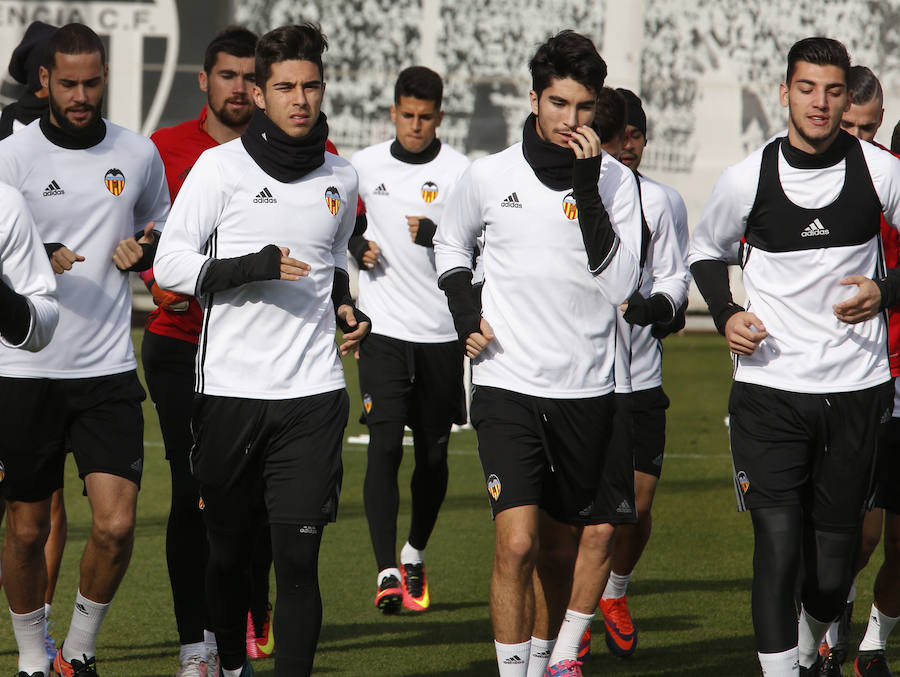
(690, 596)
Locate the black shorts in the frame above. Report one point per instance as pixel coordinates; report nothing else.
(411, 383)
(649, 410)
(283, 454)
(99, 419)
(812, 450)
(169, 372)
(615, 503)
(545, 452)
(887, 468)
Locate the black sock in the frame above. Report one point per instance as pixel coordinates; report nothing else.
(381, 494)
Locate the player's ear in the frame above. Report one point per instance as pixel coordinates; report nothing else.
(203, 81)
(533, 97)
(393, 114)
(783, 93)
(258, 97)
(44, 75)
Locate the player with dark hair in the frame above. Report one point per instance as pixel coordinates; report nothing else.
(543, 344)
(410, 371)
(90, 184)
(863, 119)
(271, 407)
(810, 350)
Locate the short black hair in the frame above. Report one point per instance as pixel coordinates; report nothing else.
(819, 51)
(419, 82)
(611, 116)
(298, 42)
(863, 86)
(232, 40)
(567, 55)
(73, 38)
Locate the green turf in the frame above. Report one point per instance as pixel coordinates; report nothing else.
(690, 595)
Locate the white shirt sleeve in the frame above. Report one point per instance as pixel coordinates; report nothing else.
(153, 204)
(180, 256)
(462, 223)
(26, 269)
(724, 219)
(670, 245)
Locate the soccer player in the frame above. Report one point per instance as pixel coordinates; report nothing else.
(410, 371)
(90, 185)
(271, 406)
(812, 380)
(543, 344)
(863, 119)
(169, 349)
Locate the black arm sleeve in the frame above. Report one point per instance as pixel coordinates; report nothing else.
(641, 311)
(340, 296)
(457, 285)
(425, 234)
(15, 315)
(359, 245)
(712, 281)
(600, 240)
(51, 247)
(889, 286)
(149, 249)
(221, 274)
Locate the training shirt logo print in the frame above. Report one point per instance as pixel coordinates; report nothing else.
(115, 181)
(512, 201)
(814, 229)
(429, 191)
(570, 209)
(333, 200)
(53, 189)
(265, 197)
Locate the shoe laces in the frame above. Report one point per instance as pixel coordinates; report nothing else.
(415, 578)
(88, 668)
(617, 612)
(389, 582)
(192, 667)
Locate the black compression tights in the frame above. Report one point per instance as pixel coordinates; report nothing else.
(381, 493)
(260, 565)
(827, 559)
(298, 608)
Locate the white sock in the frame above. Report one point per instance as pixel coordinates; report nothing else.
(512, 659)
(29, 631)
(617, 585)
(209, 639)
(47, 611)
(810, 632)
(233, 673)
(195, 649)
(569, 638)
(409, 555)
(384, 573)
(82, 638)
(877, 631)
(782, 664)
(540, 656)
(851, 596)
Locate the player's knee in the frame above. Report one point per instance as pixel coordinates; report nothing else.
(114, 531)
(517, 550)
(28, 533)
(597, 538)
(892, 550)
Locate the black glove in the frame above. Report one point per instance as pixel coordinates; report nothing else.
(643, 311)
(149, 252)
(425, 234)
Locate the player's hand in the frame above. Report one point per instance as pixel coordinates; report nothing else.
(744, 331)
(477, 341)
(292, 269)
(354, 338)
(413, 222)
(861, 307)
(63, 258)
(129, 251)
(585, 142)
(370, 257)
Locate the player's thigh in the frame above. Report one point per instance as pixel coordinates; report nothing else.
(32, 455)
(511, 447)
(615, 499)
(169, 373)
(302, 461)
(439, 396)
(386, 374)
(649, 411)
(106, 424)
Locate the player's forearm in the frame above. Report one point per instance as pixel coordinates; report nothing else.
(15, 316)
(221, 274)
(457, 285)
(425, 233)
(600, 240)
(712, 280)
(889, 286)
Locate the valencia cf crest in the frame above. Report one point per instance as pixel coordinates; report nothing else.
(115, 181)
(2, 471)
(367, 403)
(569, 207)
(201, 504)
(429, 191)
(333, 200)
(743, 481)
(493, 486)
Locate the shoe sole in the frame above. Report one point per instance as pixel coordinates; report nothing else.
(612, 643)
(389, 603)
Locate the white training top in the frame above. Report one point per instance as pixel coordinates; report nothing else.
(792, 292)
(665, 272)
(401, 294)
(553, 321)
(89, 200)
(25, 268)
(273, 339)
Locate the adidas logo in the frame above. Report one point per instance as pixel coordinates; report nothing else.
(381, 190)
(623, 508)
(53, 189)
(138, 465)
(307, 529)
(512, 201)
(513, 660)
(814, 229)
(81, 609)
(541, 654)
(658, 460)
(264, 197)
